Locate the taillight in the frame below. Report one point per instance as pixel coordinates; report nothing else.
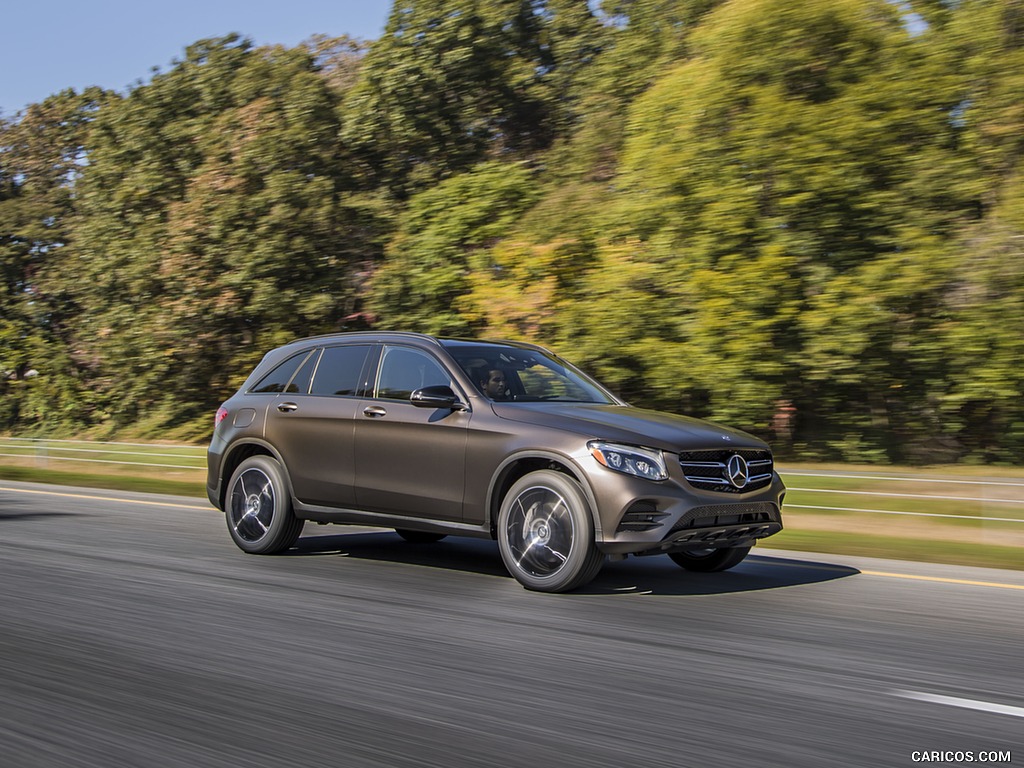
(222, 413)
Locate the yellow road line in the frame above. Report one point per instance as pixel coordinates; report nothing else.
(105, 498)
(943, 580)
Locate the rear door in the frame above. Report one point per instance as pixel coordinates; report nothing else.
(410, 460)
(311, 424)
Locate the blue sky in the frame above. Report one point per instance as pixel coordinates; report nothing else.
(50, 45)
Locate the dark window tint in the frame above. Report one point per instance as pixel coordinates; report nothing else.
(402, 371)
(278, 379)
(299, 384)
(338, 371)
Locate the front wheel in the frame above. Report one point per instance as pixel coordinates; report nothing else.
(709, 560)
(546, 533)
(259, 508)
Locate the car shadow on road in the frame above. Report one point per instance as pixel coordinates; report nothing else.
(659, 575)
(637, 575)
(452, 554)
(16, 509)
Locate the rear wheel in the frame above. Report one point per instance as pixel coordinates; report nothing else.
(710, 560)
(259, 508)
(419, 537)
(546, 533)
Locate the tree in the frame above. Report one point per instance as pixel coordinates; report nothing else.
(453, 83)
(42, 153)
(983, 403)
(783, 167)
(446, 230)
(214, 224)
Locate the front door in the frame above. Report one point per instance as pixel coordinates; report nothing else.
(410, 460)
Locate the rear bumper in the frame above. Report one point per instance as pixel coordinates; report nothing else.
(213, 494)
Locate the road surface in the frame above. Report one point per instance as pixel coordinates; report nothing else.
(134, 633)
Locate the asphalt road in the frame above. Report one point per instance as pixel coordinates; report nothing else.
(134, 633)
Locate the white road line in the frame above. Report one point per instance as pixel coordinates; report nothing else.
(953, 701)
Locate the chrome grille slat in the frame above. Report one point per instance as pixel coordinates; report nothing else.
(706, 470)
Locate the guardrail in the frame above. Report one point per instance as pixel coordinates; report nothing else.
(150, 455)
(982, 495)
(993, 494)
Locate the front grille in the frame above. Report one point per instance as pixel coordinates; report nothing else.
(707, 470)
(727, 514)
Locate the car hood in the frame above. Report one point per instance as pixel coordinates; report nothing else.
(635, 426)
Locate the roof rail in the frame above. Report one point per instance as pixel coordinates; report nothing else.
(373, 334)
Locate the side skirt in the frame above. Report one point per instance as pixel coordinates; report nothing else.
(327, 515)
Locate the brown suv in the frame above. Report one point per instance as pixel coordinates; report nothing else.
(500, 440)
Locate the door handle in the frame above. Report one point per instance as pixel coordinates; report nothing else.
(287, 407)
(374, 411)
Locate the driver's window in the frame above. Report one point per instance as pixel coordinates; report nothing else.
(404, 370)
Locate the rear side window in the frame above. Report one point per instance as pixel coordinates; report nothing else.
(277, 380)
(339, 370)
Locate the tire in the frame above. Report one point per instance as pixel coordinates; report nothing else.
(710, 560)
(419, 537)
(546, 533)
(258, 508)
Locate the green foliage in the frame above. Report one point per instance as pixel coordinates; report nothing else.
(214, 224)
(780, 173)
(984, 336)
(40, 163)
(429, 256)
(454, 83)
(720, 207)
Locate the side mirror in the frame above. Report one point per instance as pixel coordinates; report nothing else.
(438, 396)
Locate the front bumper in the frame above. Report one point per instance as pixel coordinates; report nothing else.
(642, 517)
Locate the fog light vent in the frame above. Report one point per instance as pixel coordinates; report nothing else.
(641, 516)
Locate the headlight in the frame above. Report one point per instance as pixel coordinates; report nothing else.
(642, 462)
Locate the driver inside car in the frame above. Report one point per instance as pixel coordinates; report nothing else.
(494, 385)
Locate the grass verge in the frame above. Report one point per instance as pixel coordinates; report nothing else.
(899, 548)
(109, 482)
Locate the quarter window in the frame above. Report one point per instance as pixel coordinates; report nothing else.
(277, 380)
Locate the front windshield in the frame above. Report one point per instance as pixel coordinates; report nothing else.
(510, 374)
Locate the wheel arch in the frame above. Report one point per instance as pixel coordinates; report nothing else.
(521, 464)
(238, 453)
